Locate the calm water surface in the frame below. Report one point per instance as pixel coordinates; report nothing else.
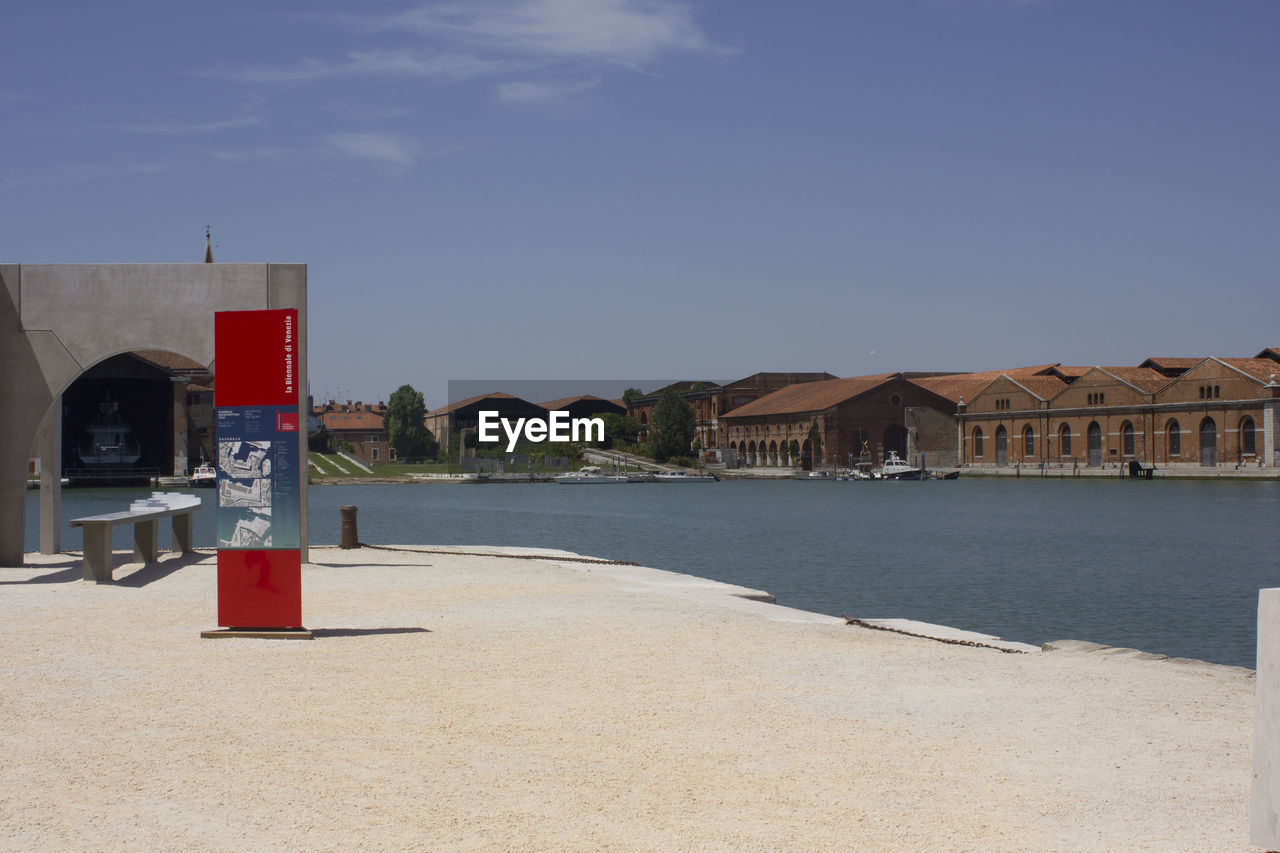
(1171, 567)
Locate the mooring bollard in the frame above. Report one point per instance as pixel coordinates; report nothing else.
(350, 532)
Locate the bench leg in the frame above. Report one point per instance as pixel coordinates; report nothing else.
(182, 531)
(146, 541)
(97, 553)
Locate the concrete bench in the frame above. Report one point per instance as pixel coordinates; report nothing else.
(146, 529)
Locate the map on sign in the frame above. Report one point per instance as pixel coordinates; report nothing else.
(251, 529)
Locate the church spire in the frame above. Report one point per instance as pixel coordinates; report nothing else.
(208, 246)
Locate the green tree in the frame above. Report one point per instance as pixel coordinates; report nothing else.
(619, 430)
(671, 429)
(406, 431)
(631, 394)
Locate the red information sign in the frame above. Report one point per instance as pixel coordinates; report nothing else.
(256, 402)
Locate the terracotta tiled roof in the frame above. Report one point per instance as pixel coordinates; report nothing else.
(1261, 369)
(1044, 387)
(170, 360)
(351, 420)
(1270, 352)
(496, 395)
(970, 385)
(1172, 363)
(1146, 379)
(810, 396)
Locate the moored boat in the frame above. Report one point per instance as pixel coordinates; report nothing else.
(205, 476)
(898, 469)
(589, 475)
(683, 477)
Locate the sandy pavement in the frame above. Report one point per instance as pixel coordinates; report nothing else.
(479, 703)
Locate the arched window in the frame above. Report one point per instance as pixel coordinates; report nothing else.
(977, 442)
(1028, 442)
(1002, 446)
(1248, 440)
(1126, 432)
(1064, 440)
(1173, 433)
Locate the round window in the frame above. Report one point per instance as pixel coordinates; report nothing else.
(895, 399)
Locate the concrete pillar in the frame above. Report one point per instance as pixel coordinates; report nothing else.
(1264, 823)
(51, 479)
(1270, 450)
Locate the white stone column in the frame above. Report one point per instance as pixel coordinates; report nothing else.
(50, 439)
(1270, 450)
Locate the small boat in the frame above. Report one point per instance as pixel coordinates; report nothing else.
(683, 477)
(205, 476)
(898, 469)
(589, 475)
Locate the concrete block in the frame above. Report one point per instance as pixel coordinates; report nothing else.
(1264, 822)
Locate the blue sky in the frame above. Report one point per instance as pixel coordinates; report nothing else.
(598, 188)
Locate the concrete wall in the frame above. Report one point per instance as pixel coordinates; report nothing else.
(58, 320)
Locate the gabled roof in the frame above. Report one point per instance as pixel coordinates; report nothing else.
(1272, 353)
(966, 386)
(810, 396)
(1040, 387)
(765, 377)
(1171, 366)
(351, 420)
(1145, 379)
(569, 401)
(496, 395)
(1261, 369)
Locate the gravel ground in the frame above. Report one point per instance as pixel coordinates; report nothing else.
(456, 702)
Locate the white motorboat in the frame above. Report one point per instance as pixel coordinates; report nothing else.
(589, 475)
(205, 476)
(898, 469)
(683, 477)
(111, 442)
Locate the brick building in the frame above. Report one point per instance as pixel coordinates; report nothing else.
(1167, 412)
(874, 413)
(359, 425)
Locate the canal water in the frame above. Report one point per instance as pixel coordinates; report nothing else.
(1168, 566)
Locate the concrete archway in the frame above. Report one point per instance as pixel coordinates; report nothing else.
(58, 320)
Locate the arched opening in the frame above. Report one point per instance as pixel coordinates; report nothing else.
(1095, 445)
(806, 455)
(1208, 443)
(977, 442)
(1173, 438)
(135, 416)
(1028, 442)
(895, 441)
(793, 452)
(1002, 446)
(1064, 440)
(1126, 438)
(751, 454)
(773, 454)
(1248, 438)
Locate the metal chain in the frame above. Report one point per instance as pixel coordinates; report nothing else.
(551, 557)
(861, 623)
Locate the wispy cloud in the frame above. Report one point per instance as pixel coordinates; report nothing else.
(524, 92)
(250, 154)
(626, 31)
(384, 147)
(199, 127)
(371, 63)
